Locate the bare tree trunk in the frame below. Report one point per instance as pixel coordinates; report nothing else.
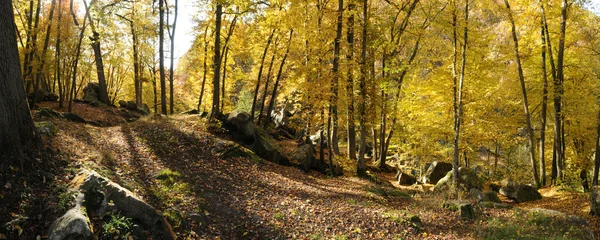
(17, 130)
(260, 69)
(77, 53)
(336, 78)
(559, 91)
(224, 76)
(58, 73)
(525, 101)
(171, 69)
(40, 70)
(205, 67)
(154, 88)
(161, 54)
(215, 110)
(544, 107)
(33, 51)
(276, 85)
(265, 92)
(458, 87)
(375, 145)
(361, 167)
(28, 50)
(350, 84)
(597, 154)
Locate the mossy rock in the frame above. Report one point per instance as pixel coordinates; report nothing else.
(46, 128)
(488, 204)
(465, 209)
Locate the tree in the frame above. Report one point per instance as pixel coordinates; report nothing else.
(458, 85)
(544, 103)
(350, 84)
(171, 69)
(161, 54)
(361, 167)
(16, 126)
(95, 38)
(262, 63)
(335, 80)
(215, 110)
(77, 53)
(530, 132)
(205, 67)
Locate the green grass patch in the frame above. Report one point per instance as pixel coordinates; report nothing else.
(117, 227)
(279, 216)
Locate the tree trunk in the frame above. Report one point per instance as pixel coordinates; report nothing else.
(155, 90)
(161, 53)
(597, 154)
(33, 51)
(17, 130)
(171, 69)
(458, 87)
(265, 92)
(205, 68)
(77, 53)
(375, 145)
(260, 69)
(215, 110)
(544, 107)
(224, 76)
(558, 92)
(28, 51)
(336, 78)
(276, 85)
(361, 167)
(40, 70)
(525, 101)
(350, 84)
(58, 73)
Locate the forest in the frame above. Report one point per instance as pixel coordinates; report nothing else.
(300, 119)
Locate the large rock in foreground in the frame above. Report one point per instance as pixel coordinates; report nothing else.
(95, 192)
(595, 201)
(242, 123)
(73, 225)
(519, 192)
(436, 171)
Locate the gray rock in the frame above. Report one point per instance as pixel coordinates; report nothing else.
(519, 192)
(304, 155)
(131, 106)
(73, 225)
(47, 113)
(46, 128)
(465, 209)
(90, 92)
(436, 171)
(73, 117)
(487, 204)
(405, 179)
(103, 190)
(595, 201)
(467, 179)
(242, 123)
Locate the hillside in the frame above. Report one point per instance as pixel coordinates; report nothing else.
(181, 166)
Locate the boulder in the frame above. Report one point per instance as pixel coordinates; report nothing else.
(519, 192)
(90, 92)
(73, 117)
(595, 201)
(46, 128)
(131, 106)
(50, 97)
(266, 147)
(467, 179)
(486, 204)
(405, 179)
(122, 103)
(465, 209)
(73, 225)
(491, 196)
(242, 123)
(47, 113)
(436, 171)
(99, 191)
(144, 108)
(304, 155)
(192, 112)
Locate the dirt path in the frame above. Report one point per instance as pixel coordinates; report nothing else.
(240, 198)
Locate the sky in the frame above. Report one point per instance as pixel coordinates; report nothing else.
(184, 35)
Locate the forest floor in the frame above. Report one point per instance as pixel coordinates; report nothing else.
(210, 196)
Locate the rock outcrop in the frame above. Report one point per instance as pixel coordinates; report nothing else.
(519, 192)
(436, 171)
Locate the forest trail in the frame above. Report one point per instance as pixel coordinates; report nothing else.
(181, 165)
